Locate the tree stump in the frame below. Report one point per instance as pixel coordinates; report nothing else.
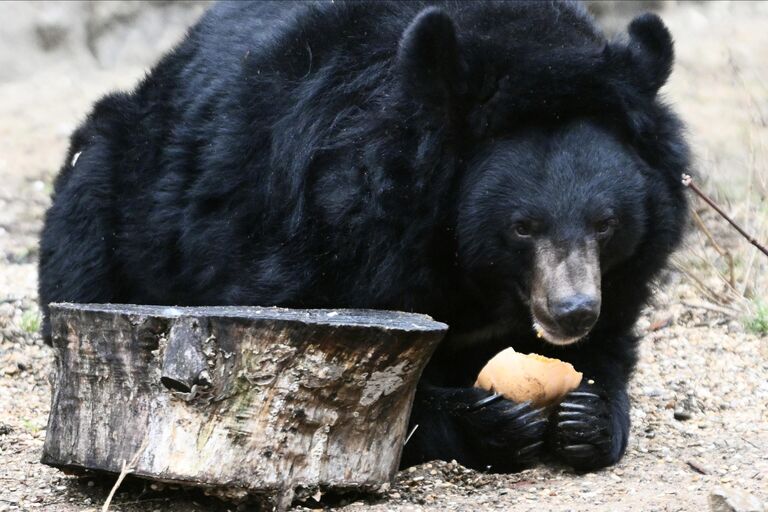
(272, 402)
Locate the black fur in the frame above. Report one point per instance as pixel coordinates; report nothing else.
(356, 154)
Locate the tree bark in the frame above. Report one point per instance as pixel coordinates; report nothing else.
(272, 402)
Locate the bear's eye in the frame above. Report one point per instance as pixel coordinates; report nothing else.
(523, 229)
(606, 226)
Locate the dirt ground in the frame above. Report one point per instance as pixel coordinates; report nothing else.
(700, 410)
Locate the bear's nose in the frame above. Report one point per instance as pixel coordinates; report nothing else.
(576, 314)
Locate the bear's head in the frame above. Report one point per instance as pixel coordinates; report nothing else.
(571, 161)
(545, 213)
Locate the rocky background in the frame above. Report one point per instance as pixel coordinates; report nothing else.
(119, 33)
(700, 396)
(86, 34)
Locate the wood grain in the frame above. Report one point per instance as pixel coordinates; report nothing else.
(272, 402)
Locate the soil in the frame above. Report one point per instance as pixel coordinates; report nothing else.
(700, 395)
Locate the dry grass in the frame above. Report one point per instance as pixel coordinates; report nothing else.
(723, 266)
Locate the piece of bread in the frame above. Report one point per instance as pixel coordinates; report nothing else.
(528, 377)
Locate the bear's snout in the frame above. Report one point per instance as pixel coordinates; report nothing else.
(577, 314)
(565, 293)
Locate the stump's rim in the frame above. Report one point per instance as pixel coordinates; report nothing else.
(375, 318)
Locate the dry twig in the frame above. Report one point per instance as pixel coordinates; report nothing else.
(705, 290)
(688, 182)
(723, 252)
(128, 467)
(711, 307)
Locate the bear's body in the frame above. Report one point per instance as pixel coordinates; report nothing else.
(376, 155)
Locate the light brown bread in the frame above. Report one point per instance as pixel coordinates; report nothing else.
(523, 377)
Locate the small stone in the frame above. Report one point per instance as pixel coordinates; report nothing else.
(11, 369)
(724, 499)
(642, 325)
(651, 392)
(698, 467)
(682, 415)
(661, 321)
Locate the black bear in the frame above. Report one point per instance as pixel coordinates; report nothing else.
(500, 166)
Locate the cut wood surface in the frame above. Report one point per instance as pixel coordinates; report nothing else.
(240, 400)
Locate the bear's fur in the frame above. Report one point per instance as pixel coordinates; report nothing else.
(398, 155)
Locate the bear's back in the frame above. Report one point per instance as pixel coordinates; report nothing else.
(272, 150)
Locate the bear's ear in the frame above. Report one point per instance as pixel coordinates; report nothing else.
(429, 58)
(651, 50)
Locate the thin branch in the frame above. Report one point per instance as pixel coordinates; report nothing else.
(711, 307)
(413, 430)
(128, 467)
(688, 182)
(723, 252)
(123, 473)
(703, 288)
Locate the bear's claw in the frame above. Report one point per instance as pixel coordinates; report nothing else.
(507, 436)
(582, 433)
(486, 401)
(531, 451)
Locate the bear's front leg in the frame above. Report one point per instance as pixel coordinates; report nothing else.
(589, 429)
(455, 424)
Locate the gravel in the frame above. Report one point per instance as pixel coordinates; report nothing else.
(732, 500)
(700, 395)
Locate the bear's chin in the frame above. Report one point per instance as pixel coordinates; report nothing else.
(554, 339)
